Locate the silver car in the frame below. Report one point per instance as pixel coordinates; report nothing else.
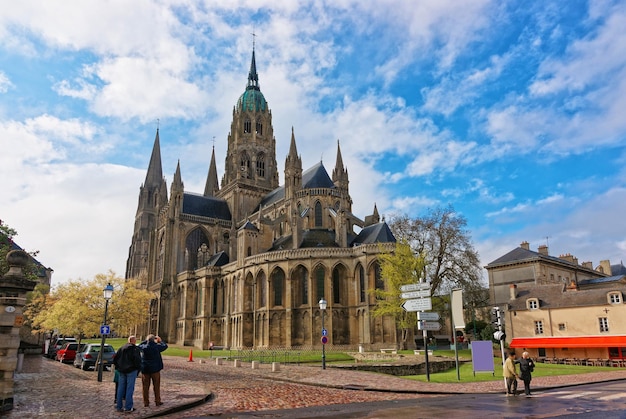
(88, 356)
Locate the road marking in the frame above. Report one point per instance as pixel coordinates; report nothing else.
(582, 394)
(613, 396)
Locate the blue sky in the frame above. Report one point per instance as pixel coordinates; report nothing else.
(514, 113)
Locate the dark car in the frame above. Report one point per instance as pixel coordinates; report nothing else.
(56, 344)
(88, 355)
(67, 353)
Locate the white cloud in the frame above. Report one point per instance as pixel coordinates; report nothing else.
(5, 83)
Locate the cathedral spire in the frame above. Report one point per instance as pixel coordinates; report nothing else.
(212, 185)
(253, 77)
(340, 174)
(155, 170)
(177, 183)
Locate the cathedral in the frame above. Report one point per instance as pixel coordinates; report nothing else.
(245, 263)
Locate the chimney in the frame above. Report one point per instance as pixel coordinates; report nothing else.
(543, 250)
(513, 291)
(569, 258)
(588, 265)
(524, 245)
(572, 286)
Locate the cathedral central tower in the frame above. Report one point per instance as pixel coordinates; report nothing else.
(250, 171)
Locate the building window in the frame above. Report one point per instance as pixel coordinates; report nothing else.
(604, 324)
(538, 327)
(247, 126)
(318, 214)
(259, 127)
(562, 326)
(615, 298)
(260, 165)
(319, 282)
(533, 304)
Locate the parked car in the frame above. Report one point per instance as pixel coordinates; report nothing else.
(67, 353)
(88, 355)
(56, 344)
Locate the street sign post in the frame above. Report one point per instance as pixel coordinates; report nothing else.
(419, 304)
(429, 316)
(415, 287)
(415, 294)
(105, 330)
(424, 325)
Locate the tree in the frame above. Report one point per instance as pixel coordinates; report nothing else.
(450, 260)
(77, 307)
(398, 268)
(37, 301)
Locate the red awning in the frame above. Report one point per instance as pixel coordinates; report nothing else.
(569, 342)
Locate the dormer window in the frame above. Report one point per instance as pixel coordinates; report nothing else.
(532, 304)
(614, 297)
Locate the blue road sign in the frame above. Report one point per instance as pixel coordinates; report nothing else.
(105, 330)
(324, 340)
(324, 332)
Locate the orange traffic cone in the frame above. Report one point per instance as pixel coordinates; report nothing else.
(190, 356)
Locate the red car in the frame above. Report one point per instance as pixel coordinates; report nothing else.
(67, 353)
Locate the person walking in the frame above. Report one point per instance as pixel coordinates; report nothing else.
(510, 374)
(526, 367)
(127, 361)
(151, 366)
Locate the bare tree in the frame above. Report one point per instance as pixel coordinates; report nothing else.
(442, 239)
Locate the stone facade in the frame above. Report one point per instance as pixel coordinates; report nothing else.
(244, 264)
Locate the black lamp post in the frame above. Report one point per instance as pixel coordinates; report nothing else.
(323, 305)
(108, 293)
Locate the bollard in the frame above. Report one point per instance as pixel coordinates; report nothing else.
(237, 363)
(255, 365)
(275, 366)
(218, 361)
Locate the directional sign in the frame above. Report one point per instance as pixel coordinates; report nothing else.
(419, 304)
(423, 325)
(324, 332)
(428, 315)
(105, 329)
(415, 294)
(415, 287)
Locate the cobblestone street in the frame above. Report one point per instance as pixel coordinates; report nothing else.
(46, 388)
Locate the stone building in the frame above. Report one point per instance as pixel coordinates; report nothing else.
(556, 308)
(244, 263)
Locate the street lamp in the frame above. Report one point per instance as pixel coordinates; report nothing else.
(323, 305)
(108, 293)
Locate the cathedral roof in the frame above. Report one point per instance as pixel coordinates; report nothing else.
(316, 177)
(218, 259)
(205, 206)
(376, 233)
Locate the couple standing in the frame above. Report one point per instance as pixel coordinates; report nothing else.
(129, 360)
(526, 368)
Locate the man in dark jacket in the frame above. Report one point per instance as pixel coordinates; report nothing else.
(127, 361)
(151, 366)
(526, 367)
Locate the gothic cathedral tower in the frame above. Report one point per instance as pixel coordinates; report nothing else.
(251, 171)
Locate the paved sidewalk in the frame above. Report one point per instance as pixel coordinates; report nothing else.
(46, 388)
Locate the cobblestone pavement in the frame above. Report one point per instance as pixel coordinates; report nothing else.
(45, 388)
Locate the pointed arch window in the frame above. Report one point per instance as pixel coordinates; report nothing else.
(379, 283)
(278, 281)
(301, 278)
(362, 288)
(319, 282)
(199, 299)
(262, 289)
(244, 165)
(260, 165)
(336, 286)
(318, 214)
(194, 249)
(215, 297)
(259, 127)
(247, 126)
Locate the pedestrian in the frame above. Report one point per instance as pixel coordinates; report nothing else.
(127, 361)
(151, 366)
(526, 367)
(116, 380)
(510, 374)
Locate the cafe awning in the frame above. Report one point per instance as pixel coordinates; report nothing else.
(569, 342)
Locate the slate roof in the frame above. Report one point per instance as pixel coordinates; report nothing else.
(248, 226)
(520, 254)
(603, 281)
(218, 259)
(376, 233)
(618, 269)
(205, 206)
(556, 296)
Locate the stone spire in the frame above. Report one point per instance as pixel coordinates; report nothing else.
(212, 186)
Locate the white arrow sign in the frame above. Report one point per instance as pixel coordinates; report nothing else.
(415, 287)
(415, 294)
(419, 304)
(428, 315)
(422, 325)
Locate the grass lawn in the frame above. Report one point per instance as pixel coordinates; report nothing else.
(302, 357)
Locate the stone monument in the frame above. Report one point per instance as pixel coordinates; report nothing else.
(13, 288)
